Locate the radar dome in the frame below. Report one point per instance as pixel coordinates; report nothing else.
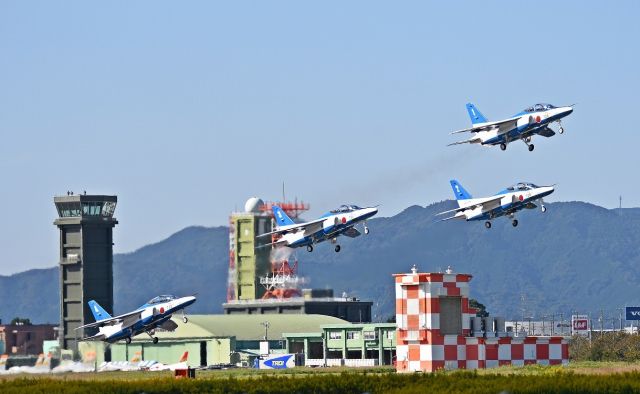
(253, 205)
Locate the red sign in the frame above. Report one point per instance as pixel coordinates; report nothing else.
(580, 324)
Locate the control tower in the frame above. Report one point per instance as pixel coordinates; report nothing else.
(86, 260)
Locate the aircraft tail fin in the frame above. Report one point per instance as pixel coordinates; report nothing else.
(475, 114)
(281, 217)
(459, 191)
(184, 357)
(98, 312)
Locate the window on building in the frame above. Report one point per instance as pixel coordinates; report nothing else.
(335, 334)
(450, 316)
(353, 334)
(391, 334)
(370, 335)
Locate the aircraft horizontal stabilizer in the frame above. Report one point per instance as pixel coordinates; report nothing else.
(469, 141)
(97, 337)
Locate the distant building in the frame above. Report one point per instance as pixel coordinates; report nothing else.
(212, 339)
(346, 308)
(24, 339)
(354, 345)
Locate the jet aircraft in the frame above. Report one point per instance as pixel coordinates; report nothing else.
(341, 221)
(156, 313)
(534, 120)
(505, 203)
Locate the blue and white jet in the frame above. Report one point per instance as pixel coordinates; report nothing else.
(341, 221)
(505, 203)
(156, 313)
(534, 120)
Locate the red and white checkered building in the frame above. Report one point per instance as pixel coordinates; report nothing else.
(425, 343)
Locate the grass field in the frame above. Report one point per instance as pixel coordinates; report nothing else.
(579, 377)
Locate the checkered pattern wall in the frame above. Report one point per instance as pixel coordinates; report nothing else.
(421, 346)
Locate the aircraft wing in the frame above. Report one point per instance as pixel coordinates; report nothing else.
(131, 316)
(352, 232)
(478, 204)
(502, 125)
(169, 325)
(546, 132)
(294, 228)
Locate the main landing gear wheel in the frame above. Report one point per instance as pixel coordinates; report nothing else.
(185, 320)
(503, 146)
(309, 248)
(487, 224)
(155, 340)
(127, 340)
(544, 209)
(514, 223)
(530, 147)
(337, 248)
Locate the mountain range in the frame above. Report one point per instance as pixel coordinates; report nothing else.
(575, 257)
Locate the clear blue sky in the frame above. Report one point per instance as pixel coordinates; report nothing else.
(199, 105)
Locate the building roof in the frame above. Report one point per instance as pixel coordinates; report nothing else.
(245, 327)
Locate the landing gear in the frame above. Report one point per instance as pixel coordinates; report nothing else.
(561, 130)
(543, 208)
(514, 223)
(530, 147)
(487, 224)
(503, 146)
(366, 229)
(127, 340)
(155, 340)
(185, 320)
(337, 248)
(309, 248)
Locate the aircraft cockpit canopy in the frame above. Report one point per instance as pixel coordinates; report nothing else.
(521, 187)
(346, 208)
(160, 299)
(539, 107)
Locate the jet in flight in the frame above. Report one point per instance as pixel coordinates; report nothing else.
(341, 221)
(534, 120)
(156, 313)
(505, 203)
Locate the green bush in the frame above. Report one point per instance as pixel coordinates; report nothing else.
(608, 346)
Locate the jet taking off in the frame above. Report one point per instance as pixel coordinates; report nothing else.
(505, 203)
(156, 313)
(341, 221)
(523, 126)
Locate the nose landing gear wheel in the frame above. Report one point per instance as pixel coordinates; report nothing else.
(309, 248)
(544, 209)
(337, 248)
(185, 320)
(503, 146)
(487, 224)
(155, 340)
(514, 223)
(366, 230)
(560, 130)
(127, 340)
(531, 148)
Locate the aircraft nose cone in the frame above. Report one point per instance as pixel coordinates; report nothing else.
(568, 110)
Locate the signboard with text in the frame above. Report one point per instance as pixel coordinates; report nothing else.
(580, 325)
(632, 312)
